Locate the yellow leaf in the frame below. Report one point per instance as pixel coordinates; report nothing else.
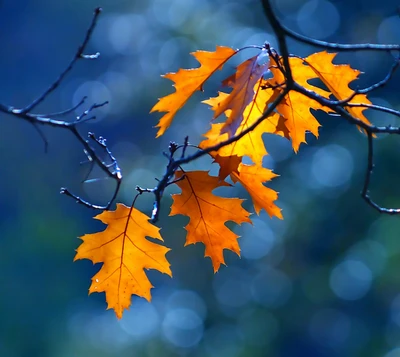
(295, 108)
(227, 165)
(125, 252)
(244, 83)
(252, 178)
(208, 214)
(188, 81)
(337, 78)
(251, 144)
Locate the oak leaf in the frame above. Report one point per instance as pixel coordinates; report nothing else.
(188, 81)
(227, 164)
(251, 144)
(208, 214)
(243, 83)
(252, 178)
(295, 108)
(337, 78)
(125, 253)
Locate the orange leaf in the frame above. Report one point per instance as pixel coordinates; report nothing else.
(251, 144)
(188, 81)
(208, 214)
(299, 120)
(252, 178)
(296, 106)
(242, 82)
(337, 78)
(125, 252)
(227, 165)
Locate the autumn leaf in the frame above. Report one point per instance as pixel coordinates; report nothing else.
(125, 253)
(295, 108)
(208, 214)
(337, 78)
(252, 178)
(251, 144)
(242, 82)
(123, 248)
(227, 165)
(188, 81)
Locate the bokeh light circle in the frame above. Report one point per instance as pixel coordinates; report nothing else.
(350, 279)
(318, 19)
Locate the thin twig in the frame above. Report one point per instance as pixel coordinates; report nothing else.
(79, 55)
(338, 107)
(280, 34)
(370, 167)
(317, 43)
(87, 111)
(112, 168)
(62, 113)
(378, 108)
(174, 164)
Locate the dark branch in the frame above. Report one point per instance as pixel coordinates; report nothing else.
(280, 34)
(378, 108)
(111, 168)
(368, 173)
(338, 107)
(284, 31)
(79, 54)
(175, 164)
(64, 112)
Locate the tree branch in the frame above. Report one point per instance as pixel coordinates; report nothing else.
(79, 54)
(111, 168)
(337, 106)
(285, 31)
(175, 164)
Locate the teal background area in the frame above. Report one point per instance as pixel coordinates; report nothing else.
(323, 282)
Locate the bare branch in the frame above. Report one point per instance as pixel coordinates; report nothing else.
(368, 173)
(90, 146)
(64, 112)
(280, 34)
(79, 54)
(378, 108)
(284, 31)
(175, 164)
(338, 107)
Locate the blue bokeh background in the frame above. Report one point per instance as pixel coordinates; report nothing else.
(322, 282)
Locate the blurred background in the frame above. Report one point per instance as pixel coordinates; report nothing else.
(322, 282)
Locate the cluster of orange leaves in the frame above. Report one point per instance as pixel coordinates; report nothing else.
(123, 248)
